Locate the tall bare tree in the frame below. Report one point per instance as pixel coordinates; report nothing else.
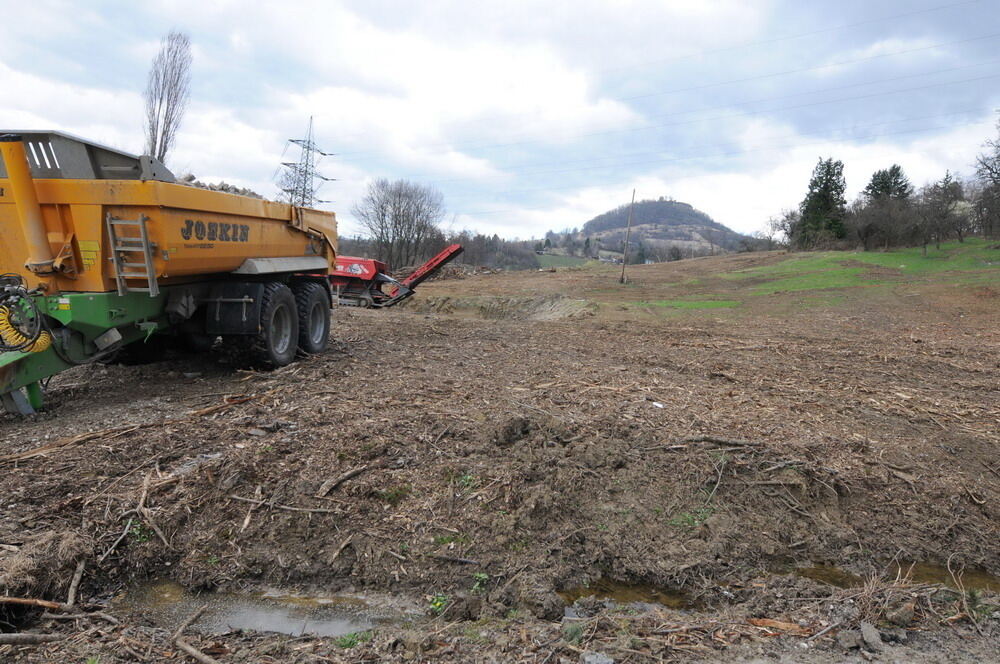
(938, 214)
(987, 199)
(167, 90)
(988, 162)
(401, 218)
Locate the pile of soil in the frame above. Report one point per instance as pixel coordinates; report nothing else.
(536, 308)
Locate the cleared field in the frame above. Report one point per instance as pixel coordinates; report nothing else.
(552, 260)
(509, 443)
(754, 280)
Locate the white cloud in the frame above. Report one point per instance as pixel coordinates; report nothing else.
(598, 34)
(894, 50)
(412, 90)
(105, 116)
(402, 96)
(743, 197)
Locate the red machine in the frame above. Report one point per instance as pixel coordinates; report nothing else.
(359, 281)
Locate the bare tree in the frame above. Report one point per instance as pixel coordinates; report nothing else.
(709, 236)
(401, 218)
(785, 225)
(882, 221)
(167, 90)
(987, 198)
(988, 162)
(984, 199)
(938, 211)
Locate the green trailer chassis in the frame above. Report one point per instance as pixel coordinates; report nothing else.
(81, 326)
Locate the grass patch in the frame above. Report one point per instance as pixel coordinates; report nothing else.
(353, 639)
(692, 519)
(843, 278)
(395, 495)
(840, 269)
(550, 260)
(689, 304)
(475, 634)
(973, 254)
(572, 632)
(439, 602)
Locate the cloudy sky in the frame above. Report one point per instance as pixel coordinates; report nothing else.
(530, 115)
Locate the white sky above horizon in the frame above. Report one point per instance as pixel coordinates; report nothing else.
(531, 116)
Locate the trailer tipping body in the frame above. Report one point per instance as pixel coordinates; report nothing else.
(102, 250)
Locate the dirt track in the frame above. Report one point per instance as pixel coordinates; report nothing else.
(694, 454)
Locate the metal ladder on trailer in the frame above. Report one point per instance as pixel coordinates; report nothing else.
(126, 248)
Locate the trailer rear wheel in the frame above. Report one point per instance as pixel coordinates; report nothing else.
(313, 304)
(275, 343)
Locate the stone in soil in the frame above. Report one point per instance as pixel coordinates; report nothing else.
(902, 615)
(871, 637)
(849, 639)
(595, 658)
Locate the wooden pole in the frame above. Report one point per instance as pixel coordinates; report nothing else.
(628, 232)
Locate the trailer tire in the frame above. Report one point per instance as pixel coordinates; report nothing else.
(276, 340)
(313, 303)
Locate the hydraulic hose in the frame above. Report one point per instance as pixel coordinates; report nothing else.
(11, 337)
(21, 325)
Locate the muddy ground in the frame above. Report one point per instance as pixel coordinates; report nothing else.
(484, 461)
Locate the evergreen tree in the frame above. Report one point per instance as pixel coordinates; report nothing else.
(889, 183)
(823, 209)
(882, 214)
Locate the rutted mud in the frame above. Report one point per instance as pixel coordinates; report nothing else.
(167, 605)
(915, 572)
(831, 575)
(627, 593)
(491, 464)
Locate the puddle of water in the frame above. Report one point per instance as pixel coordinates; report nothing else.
(627, 593)
(830, 575)
(168, 604)
(972, 579)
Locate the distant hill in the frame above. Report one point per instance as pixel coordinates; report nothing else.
(662, 222)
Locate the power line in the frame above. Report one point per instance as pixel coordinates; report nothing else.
(750, 44)
(798, 94)
(723, 117)
(732, 154)
(478, 146)
(805, 69)
(777, 40)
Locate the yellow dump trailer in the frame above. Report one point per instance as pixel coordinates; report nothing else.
(102, 251)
